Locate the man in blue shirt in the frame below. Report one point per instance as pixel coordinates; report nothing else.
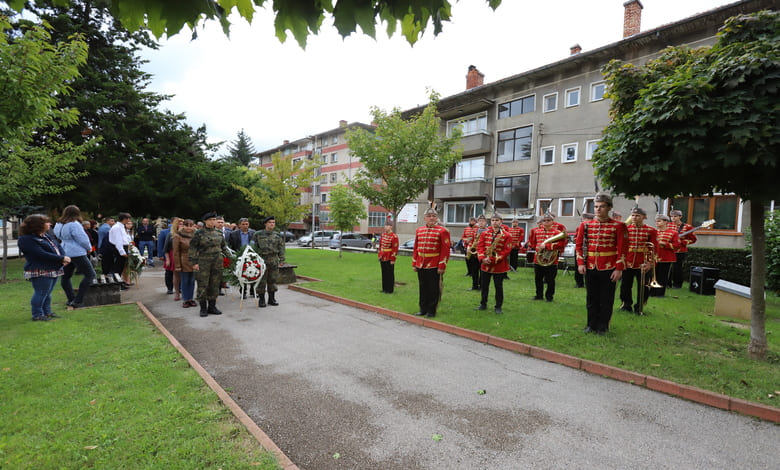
(104, 228)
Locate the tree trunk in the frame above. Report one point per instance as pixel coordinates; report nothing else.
(5, 247)
(757, 348)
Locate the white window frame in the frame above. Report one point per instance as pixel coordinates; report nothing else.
(593, 87)
(568, 92)
(539, 202)
(560, 207)
(334, 139)
(542, 160)
(589, 149)
(479, 120)
(588, 201)
(477, 207)
(334, 157)
(573, 145)
(334, 177)
(544, 102)
(324, 197)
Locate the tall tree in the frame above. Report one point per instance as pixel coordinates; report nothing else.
(703, 121)
(33, 72)
(277, 191)
(402, 156)
(301, 17)
(345, 209)
(241, 152)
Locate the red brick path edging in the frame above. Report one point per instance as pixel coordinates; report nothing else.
(698, 395)
(251, 426)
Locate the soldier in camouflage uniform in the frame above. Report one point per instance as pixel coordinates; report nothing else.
(207, 250)
(270, 246)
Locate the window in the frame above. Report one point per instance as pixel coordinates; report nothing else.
(589, 205)
(569, 153)
(519, 106)
(597, 91)
(542, 206)
(324, 159)
(376, 219)
(469, 125)
(566, 207)
(547, 155)
(573, 97)
(550, 102)
(513, 191)
(460, 212)
(316, 190)
(514, 144)
(324, 197)
(317, 172)
(334, 140)
(469, 169)
(590, 148)
(296, 160)
(334, 177)
(724, 209)
(334, 157)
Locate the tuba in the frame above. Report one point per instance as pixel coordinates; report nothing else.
(547, 257)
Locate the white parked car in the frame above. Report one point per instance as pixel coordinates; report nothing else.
(321, 238)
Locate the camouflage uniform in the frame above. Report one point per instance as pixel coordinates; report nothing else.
(270, 246)
(207, 249)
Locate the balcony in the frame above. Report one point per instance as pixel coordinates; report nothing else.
(474, 144)
(462, 189)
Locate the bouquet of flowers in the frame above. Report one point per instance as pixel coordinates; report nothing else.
(135, 263)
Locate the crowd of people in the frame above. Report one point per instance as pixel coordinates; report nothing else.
(607, 251)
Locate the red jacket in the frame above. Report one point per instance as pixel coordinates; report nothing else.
(605, 242)
(498, 260)
(469, 235)
(668, 244)
(638, 238)
(431, 248)
(685, 240)
(388, 247)
(539, 234)
(518, 235)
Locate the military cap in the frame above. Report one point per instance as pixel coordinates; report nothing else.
(662, 217)
(605, 198)
(209, 215)
(268, 219)
(639, 210)
(675, 212)
(430, 211)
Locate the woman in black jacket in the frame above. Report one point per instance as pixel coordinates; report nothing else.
(45, 260)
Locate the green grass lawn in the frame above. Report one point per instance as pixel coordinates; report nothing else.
(103, 388)
(679, 339)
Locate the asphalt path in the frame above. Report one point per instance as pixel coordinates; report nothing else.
(336, 387)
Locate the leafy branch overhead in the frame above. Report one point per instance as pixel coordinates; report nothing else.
(300, 17)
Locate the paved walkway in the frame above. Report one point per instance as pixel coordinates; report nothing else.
(338, 387)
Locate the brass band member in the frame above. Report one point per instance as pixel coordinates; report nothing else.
(493, 249)
(676, 277)
(579, 279)
(545, 272)
(668, 243)
(429, 261)
(387, 252)
(467, 239)
(518, 236)
(642, 242)
(601, 258)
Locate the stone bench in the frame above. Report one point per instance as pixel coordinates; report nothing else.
(103, 292)
(732, 300)
(287, 274)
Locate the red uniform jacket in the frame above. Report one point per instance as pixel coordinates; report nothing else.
(388, 247)
(468, 235)
(539, 234)
(687, 239)
(498, 261)
(638, 238)
(668, 244)
(605, 242)
(518, 235)
(431, 248)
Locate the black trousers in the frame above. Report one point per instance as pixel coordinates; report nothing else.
(677, 277)
(430, 290)
(169, 279)
(627, 284)
(579, 279)
(546, 274)
(388, 276)
(498, 283)
(600, 297)
(662, 271)
(513, 258)
(474, 271)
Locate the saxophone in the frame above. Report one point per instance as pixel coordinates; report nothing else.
(491, 250)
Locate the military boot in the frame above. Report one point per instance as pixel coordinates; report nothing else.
(213, 310)
(261, 300)
(203, 310)
(272, 299)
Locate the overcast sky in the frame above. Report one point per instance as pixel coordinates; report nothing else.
(278, 92)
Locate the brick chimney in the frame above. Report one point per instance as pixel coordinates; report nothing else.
(286, 142)
(632, 18)
(575, 49)
(474, 78)
(342, 123)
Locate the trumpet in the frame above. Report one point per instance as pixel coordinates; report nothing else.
(547, 257)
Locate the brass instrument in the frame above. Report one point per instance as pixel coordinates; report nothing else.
(491, 250)
(649, 256)
(545, 257)
(472, 251)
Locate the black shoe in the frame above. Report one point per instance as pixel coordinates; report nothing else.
(475, 288)
(261, 301)
(536, 297)
(579, 286)
(600, 332)
(41, 318)
(549, 300)
(626, 309)
(272, 299)
(430, 315)
(212, 309)
(123, 287)
(420, 314)
(498, 310)
(169, 292)
(53, 315)
(588, 329)
(75, 305)
(481, 307)
(204, 312)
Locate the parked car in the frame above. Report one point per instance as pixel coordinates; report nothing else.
(407, 245)
(321, 238)
(350, 239)
(287, 236)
